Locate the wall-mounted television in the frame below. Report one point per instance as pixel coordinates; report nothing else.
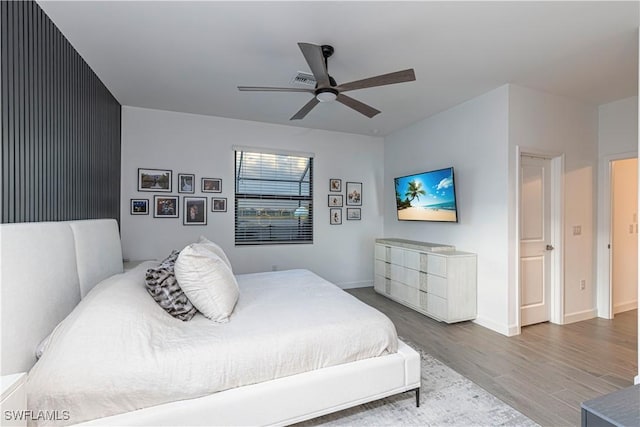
(427, 196)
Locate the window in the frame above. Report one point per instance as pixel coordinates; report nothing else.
(274, 198)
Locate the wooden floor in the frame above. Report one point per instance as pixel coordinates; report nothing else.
(545, 373)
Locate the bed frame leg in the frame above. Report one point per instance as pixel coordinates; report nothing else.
(418, 397)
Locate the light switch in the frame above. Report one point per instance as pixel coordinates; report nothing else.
(630, 228)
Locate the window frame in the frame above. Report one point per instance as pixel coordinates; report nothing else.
(307, 230)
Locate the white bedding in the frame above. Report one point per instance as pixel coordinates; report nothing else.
(119, 351)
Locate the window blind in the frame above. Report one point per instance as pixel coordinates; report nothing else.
(273, 198)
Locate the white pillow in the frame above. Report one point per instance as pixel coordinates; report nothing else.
(207, 281)
(216, 249)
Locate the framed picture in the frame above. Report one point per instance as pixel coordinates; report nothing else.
(335, 185)
(211, 185)
(335, 216)
(335, 200)
(218, 204)
(353, 214)
(186, 183)
(155, 180)
(165, 206)
(354, 194)
(195, 211)
(139, 206)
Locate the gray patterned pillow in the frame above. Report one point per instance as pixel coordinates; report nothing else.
(162, 285)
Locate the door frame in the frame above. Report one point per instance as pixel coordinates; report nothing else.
(604, 290)
(557, 232)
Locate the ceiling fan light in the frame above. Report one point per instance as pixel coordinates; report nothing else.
(326, 96)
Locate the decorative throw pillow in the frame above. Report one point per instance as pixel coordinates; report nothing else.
(215, 249)
(207, 281)
(162, 285)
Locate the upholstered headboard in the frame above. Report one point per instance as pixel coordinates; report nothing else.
(47, 267)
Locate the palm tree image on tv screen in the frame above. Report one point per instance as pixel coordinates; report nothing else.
(428, 196)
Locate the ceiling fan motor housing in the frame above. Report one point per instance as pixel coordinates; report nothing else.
(326, 94)
(327, 51)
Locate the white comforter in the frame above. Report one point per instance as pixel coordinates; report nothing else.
(119, 351)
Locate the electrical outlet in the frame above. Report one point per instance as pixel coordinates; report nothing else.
(577, 230)
(583, 284)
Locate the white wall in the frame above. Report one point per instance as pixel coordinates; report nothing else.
(202, 145)
(618, 127)
(481, 138)
(624, 242)
(473, 138)
(617, 139)
(553, 124)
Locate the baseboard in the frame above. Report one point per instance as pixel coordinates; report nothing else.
(513, 330)
(625, 306)
(353, 285)
(580, 316)
(497, 327)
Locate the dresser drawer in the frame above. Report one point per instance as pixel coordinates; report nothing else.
(381, 268)
(382, 252)
(437, 285)
(398, 290)
(437, 307)
(437, 265)
(413, 297)
(382, 284)
(405, 258)
(412, 260)
(405, 293)
(412, 278)
(396, 256)
(397, 273)
(379, 282)
(405, 276)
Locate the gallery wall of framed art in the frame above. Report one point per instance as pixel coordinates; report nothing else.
(193, 209)
(336, 200)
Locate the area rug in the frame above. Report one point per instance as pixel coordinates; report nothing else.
(446, 399)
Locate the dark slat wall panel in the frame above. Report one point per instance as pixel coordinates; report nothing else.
(60, 125)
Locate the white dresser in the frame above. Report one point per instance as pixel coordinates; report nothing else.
(431, 278)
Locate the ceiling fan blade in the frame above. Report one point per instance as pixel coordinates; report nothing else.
(305, 110)
(382, 80)
(314, 57)
(357, 105)
(272, 89)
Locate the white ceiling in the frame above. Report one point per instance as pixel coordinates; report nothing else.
(190, 56)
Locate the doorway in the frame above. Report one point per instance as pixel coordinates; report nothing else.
(624, 235)
(535, 239)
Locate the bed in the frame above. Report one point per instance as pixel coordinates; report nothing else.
(74, 270)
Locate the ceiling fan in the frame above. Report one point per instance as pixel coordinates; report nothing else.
(326, 88)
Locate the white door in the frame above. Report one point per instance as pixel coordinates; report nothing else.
(535, 240)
